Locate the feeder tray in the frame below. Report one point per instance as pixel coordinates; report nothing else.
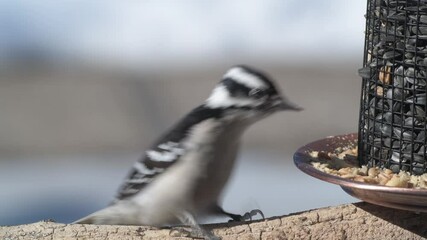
(395, 197)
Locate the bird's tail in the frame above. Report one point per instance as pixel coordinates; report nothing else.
(112, 215)
(86, 220)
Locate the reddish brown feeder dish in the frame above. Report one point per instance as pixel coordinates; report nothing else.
(394, 197)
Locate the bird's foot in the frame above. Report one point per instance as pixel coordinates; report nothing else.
(247, 216)
(196, 231)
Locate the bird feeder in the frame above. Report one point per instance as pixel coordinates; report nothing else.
(393, 126)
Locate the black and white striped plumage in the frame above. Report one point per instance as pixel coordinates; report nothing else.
(183, 173)
(164, 153)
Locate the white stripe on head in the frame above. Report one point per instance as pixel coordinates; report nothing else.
(239, 75)
(220, 98)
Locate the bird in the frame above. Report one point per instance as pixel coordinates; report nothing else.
(182, 175)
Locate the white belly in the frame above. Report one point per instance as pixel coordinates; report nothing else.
(196, 180)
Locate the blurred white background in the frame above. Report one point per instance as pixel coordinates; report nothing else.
(85, 86)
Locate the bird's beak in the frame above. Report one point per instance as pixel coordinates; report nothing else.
(285, 104)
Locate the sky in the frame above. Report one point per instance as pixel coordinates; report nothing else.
(133, 31)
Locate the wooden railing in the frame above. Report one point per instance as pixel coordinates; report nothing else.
(350, 221)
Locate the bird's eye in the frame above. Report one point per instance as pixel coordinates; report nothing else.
(257, 93)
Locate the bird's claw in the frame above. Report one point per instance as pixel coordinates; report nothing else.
(248, 216)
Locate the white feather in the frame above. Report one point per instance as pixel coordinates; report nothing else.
(247, 79)
(220, 97)
(161, 156)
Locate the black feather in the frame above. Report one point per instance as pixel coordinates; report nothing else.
(236, 89)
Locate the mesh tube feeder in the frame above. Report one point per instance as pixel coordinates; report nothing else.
(393, 123)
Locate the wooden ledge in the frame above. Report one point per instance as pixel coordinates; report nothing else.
(349, 221)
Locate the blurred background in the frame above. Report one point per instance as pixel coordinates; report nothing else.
(86, 86)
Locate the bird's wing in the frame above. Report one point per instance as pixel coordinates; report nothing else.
(155, 162)
(165, 153)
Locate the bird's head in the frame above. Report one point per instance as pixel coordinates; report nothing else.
(248, 89)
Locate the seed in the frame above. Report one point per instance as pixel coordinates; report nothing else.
(385, 75)
(380, 91)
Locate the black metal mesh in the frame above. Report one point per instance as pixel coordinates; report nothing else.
(393, 109)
